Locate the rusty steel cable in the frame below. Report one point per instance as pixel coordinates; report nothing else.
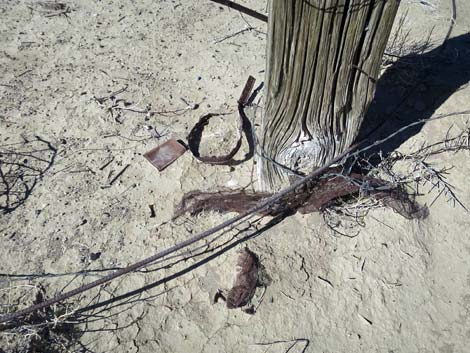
(143, 263)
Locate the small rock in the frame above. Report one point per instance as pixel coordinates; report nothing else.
(95, 255)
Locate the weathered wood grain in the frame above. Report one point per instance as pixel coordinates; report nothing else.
(323, 60)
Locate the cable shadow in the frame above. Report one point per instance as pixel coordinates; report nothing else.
(413, 88)
(188, 269)
(102, 310)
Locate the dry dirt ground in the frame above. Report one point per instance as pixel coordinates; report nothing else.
(396, 286)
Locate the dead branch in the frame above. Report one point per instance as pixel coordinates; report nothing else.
(242, 9)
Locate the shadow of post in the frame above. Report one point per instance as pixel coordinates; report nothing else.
(413, 89)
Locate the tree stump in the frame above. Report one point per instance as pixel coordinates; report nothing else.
(323, 61)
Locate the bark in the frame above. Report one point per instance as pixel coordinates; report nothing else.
(323, 61)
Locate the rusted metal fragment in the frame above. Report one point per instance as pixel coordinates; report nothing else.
(165, 154)
(244, 127)
(246, 280)
(403, 205)
(194, 202)
(311, 197)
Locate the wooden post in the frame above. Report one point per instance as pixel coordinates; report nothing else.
(323, 61)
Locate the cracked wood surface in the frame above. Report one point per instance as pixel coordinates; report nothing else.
(322, 64)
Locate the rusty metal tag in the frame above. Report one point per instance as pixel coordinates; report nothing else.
(165, 154)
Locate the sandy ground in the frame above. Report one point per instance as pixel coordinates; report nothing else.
(398, 286)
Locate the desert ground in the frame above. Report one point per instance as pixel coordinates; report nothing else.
(87, 87)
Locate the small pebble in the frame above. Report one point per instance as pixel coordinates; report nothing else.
(95, 255)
